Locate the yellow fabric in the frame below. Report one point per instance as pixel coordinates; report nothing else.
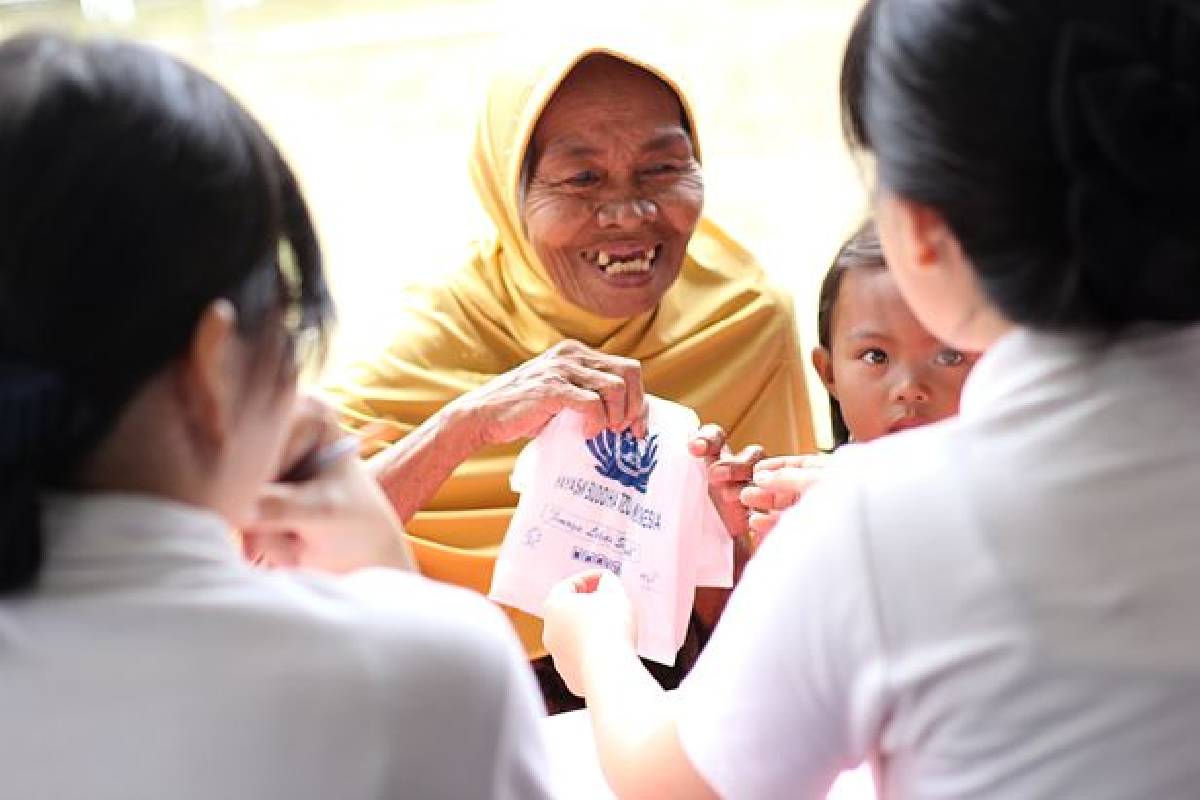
(721, 341)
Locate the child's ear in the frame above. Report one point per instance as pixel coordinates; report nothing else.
(823, 364)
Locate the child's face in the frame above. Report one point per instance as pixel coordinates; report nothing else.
(887, 372)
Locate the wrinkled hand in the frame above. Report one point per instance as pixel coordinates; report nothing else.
(606, 390)
(337, 521)
(779, 483)
(586, 614)
(729, 474)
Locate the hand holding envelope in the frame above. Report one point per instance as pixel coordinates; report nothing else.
(637, 507)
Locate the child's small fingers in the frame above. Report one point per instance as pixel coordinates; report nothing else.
(708, 442)
(756, 498)
(730, 493)
(784, 499)
(763, 523)
(776, 463)
(788, 481)
(741, 464)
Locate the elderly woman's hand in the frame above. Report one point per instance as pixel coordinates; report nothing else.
(606, 390)
(778, 484)
(729, 474)
(332, 516)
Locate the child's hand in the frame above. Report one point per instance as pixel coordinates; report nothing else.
(586, 617)
(729, 474)
(778, 484)
(337, 520)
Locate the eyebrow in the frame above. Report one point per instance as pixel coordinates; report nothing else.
(571, 148)
(665, 141)
(577, 148)
(868, 333)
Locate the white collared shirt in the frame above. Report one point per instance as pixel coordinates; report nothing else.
(999, 606)
(151, 662)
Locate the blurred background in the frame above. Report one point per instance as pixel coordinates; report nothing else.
(374, 103)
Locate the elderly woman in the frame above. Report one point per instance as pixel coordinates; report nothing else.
(602, 282)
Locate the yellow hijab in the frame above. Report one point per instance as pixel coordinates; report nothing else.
(721, 341)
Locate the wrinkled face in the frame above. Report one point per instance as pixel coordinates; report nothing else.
(615, 190)
(888, 372)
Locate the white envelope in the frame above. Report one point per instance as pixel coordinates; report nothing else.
(639, 508)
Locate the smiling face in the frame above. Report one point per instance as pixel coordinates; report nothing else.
(887, 372)
(615, 189)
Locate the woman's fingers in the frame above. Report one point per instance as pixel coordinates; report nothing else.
(275, 549)
(586, 402)
(611, 390)
(629, 372)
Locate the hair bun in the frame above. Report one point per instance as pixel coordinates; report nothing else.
(1126, 117)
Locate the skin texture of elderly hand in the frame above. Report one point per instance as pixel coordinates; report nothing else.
(587, 613)
(778, 484)
(336, 520)
(606, 390)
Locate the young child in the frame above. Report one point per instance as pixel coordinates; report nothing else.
(884, 373)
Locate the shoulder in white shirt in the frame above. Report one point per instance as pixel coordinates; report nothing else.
(152, 662)
(994, 607)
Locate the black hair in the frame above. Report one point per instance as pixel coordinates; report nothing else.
(853, 77)
(136, 192)
(1058, 139)
(861, 251)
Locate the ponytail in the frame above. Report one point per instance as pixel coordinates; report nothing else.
(34, 424)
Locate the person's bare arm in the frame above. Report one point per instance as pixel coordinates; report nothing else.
(606, 389)
(412, 470)
(590, 632)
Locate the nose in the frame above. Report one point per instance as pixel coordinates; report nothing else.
(626, 213)
(909, 389)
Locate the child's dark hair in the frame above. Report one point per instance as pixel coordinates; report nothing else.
(136, 192)
(861, 251)
(1058, 139)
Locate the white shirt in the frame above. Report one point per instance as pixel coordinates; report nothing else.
(1000, 606)
(152, 662)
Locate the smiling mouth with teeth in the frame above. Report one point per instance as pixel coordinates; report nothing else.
(637, 262)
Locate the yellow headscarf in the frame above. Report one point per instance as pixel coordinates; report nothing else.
(721, 341)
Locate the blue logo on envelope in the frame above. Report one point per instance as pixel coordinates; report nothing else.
(625, 458)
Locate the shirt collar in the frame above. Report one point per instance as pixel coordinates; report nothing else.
(1028, 364)
(98, 526)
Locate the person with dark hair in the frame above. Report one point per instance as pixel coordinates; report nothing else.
(883, 370)
(999, 605)
(160, 288)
